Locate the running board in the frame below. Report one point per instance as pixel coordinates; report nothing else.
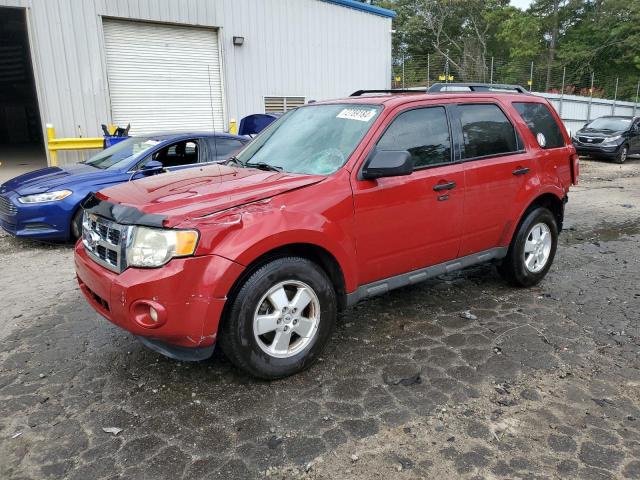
(416, 276)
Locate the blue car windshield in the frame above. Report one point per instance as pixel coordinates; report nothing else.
(314, 139)
(121, 152)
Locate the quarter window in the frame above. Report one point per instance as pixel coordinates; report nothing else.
(540, 120)
(486, 131)
(423, 132)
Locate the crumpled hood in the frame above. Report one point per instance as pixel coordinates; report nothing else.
(196, 192)
(54, 178)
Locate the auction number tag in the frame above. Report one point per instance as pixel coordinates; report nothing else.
(361, 114)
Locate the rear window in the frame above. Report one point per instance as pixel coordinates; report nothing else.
(540, 120)
(486, 131)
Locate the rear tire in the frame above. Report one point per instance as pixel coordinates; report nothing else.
(532, 249)
(281, 319)
(622, 154)
(76, 224)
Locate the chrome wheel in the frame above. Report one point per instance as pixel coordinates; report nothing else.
(286, 319)
(537, 247)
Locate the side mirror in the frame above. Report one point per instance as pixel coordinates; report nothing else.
(152, 165)
(387, 163)
(150, 168)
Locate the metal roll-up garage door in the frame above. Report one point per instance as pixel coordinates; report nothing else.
(163, 77)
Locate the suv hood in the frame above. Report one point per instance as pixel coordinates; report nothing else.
(598, 132)
(196, 192)
(54, 178)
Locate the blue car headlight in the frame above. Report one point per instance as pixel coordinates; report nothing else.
(45, 197)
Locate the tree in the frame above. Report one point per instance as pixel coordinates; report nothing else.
(582, 35)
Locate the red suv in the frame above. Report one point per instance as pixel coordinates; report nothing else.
(334, 202)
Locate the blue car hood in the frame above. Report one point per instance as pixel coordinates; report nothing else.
(54, 178)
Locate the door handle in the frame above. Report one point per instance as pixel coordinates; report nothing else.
(444, 186)
(521, 171)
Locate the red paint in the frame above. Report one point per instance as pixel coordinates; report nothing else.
(373, 228)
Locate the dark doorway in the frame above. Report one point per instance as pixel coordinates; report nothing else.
(21, 143)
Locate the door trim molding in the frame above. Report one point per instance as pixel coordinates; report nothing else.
(385, 285)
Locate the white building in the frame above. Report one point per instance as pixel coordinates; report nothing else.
(178, 64)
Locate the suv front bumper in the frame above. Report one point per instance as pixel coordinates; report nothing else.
(598, 150)
(187, 294)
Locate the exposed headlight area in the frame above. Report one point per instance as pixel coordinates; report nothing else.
(117, 246)
(153, 247)
(45, 197)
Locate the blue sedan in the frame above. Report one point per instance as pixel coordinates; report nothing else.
(45, 204)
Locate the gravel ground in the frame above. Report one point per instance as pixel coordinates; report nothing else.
(461, 376)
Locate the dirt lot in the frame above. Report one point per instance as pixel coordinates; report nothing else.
(460, 377)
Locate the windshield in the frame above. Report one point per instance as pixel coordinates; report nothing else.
(315, 139)
(610, 123)
(114, 156)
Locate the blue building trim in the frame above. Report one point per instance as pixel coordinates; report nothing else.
(365, 7)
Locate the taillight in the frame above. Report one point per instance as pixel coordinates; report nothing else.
(575, 168)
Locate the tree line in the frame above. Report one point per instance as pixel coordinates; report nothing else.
(583, 36)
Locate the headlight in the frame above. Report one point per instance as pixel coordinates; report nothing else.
(153, 247)
(611, 139)
(45, 197)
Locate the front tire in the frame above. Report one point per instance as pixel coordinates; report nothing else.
(281, 319)
(532, 249)
(76, 224)
(622, 154)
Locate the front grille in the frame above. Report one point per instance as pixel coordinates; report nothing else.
(104, 241)
(98, 299)
(37, 226)
(590, 140)
(7, 208)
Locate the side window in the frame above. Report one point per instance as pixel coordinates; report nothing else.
(540, 120)
(227, 147)
(486, 131)
(178, 154)
(423, 132)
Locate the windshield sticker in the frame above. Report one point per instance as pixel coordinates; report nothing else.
(361, 114)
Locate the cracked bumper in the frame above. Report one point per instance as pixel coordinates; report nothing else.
(189, 295)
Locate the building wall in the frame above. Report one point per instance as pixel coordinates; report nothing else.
(309, 48)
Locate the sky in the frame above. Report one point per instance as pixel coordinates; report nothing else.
(522, 4)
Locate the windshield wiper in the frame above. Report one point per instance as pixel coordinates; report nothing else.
(264, 166)
(234, 159)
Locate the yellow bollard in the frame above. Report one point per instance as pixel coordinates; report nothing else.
(53, 154)
(233, 126)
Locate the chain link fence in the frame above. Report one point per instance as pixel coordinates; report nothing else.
(578, 94)
(423, 71)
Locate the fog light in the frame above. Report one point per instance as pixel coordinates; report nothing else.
(148, 314)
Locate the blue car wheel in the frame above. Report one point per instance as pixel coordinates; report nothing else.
(76, 224)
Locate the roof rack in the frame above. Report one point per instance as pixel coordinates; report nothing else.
(476, 87)
(358, 93)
